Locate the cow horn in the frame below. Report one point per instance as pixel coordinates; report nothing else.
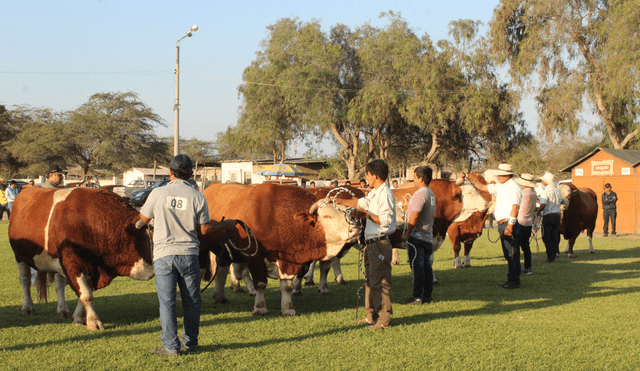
(314, 208)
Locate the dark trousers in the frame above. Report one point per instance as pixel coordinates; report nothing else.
(609, 213)
(511, 252)
(377, 264)
(551, 234)
(420, 263)
(524, 235)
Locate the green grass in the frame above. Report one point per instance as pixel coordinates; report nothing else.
(575, 314)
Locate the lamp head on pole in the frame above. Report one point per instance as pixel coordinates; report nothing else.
(193, 29)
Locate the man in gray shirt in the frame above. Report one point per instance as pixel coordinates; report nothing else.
(419, 234)
(179, 212)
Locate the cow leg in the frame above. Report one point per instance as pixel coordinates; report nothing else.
(234, 273)
(323, 287)
(570, 245)
(337, 271)
(221, 279)
(286, 287)
(309, 276)
(260, 306)
(431, 259)
(566, 249)
(246, 277)
(395, 256)
(590, 238)
(25, 279)
(82, 285)
(60, 283)
(467, 251)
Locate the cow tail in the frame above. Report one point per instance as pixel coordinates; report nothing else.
(42, 286)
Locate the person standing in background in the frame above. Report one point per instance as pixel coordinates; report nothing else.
(609, 211)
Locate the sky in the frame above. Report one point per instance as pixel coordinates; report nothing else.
(58, 54)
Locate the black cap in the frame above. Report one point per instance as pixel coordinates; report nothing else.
(12, 182)
(181, 163)
(55, 169)
(608, 185)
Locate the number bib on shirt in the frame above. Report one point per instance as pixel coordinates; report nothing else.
(176, 203)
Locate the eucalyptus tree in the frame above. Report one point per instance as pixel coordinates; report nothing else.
(574, 56)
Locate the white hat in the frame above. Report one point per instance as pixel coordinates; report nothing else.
(548, 178)
(526, 180)
(504, 169)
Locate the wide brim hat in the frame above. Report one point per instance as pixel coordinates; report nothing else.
(504, 169)
(526, 180)
(548, 178)
(55, 169)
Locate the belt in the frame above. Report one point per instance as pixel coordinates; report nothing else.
(503, 221)
(376, 239)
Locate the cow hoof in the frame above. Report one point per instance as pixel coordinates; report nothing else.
(341, 282)
(28, 312)
(221, 301)
(79, 322)
(592, 252)
(95, 325)
(457, 266)
(260, 312)
(238, 290)
(324, 292)
(468, 266)
(571, 256)
(289, 313)
(64, 315)
(309, 283)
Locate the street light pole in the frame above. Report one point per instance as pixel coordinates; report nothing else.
(176, 105)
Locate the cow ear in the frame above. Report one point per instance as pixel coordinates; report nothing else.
(457, 195)
(306, 218)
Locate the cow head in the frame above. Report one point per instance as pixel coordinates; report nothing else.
(341, 225)
(565, 191)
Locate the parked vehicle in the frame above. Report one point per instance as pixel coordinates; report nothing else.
(137, 185)
(138, 198)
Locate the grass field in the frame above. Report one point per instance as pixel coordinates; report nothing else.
(578, 314)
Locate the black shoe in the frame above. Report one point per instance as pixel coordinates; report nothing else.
(164, 352)
(548, 261)
(503, 284)
(427, 301)
(605, 235)
(413, 301)
(510, 286)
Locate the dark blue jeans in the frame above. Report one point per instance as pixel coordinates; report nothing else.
(419, 255)
(524, 235)
(511, 251)
(609, 214)
(184, 271)
(551, 234)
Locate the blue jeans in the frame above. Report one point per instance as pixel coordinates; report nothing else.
(421, 266)
(511, 252)
(185, 271)
(551, 234)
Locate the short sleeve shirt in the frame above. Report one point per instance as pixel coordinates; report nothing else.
(177, 210)
(507, 194)
(423, 202)
(551, 197)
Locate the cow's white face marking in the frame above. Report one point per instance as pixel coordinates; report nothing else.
(472, 201)
(45, 262)
(141, 271)
(58, 196)
(565, 192)
(337, 230)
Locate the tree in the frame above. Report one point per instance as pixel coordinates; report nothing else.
(114, 129)
(586, 55)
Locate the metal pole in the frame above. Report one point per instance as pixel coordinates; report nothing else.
(176, 106)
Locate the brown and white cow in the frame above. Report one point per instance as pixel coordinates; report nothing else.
(287, 227)
(460, 212)
(580, 214)
(88, 235)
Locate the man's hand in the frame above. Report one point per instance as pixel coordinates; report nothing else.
(509, 230)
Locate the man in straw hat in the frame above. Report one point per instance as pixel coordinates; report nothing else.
(550, 208)
(508, 197)
(526, 215)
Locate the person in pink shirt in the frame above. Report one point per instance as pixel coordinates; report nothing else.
(526, 215)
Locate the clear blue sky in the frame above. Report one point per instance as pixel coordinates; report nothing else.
(57, 54)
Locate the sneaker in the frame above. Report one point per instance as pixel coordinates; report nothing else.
(503, 284)
(164, 352)
(527, 271)
(413, 301)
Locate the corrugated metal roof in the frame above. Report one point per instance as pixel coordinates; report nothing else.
(630, 156)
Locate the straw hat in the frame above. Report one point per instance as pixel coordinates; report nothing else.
(548, 178)
(504, 169)
(526, 180)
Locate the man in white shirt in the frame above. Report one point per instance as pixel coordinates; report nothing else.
(550, 207)
(508, 197)
(380, 209)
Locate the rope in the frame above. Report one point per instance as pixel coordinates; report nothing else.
(250, 236)
(212, 278)
(360, 259)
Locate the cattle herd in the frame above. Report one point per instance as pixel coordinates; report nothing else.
(87, 237)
